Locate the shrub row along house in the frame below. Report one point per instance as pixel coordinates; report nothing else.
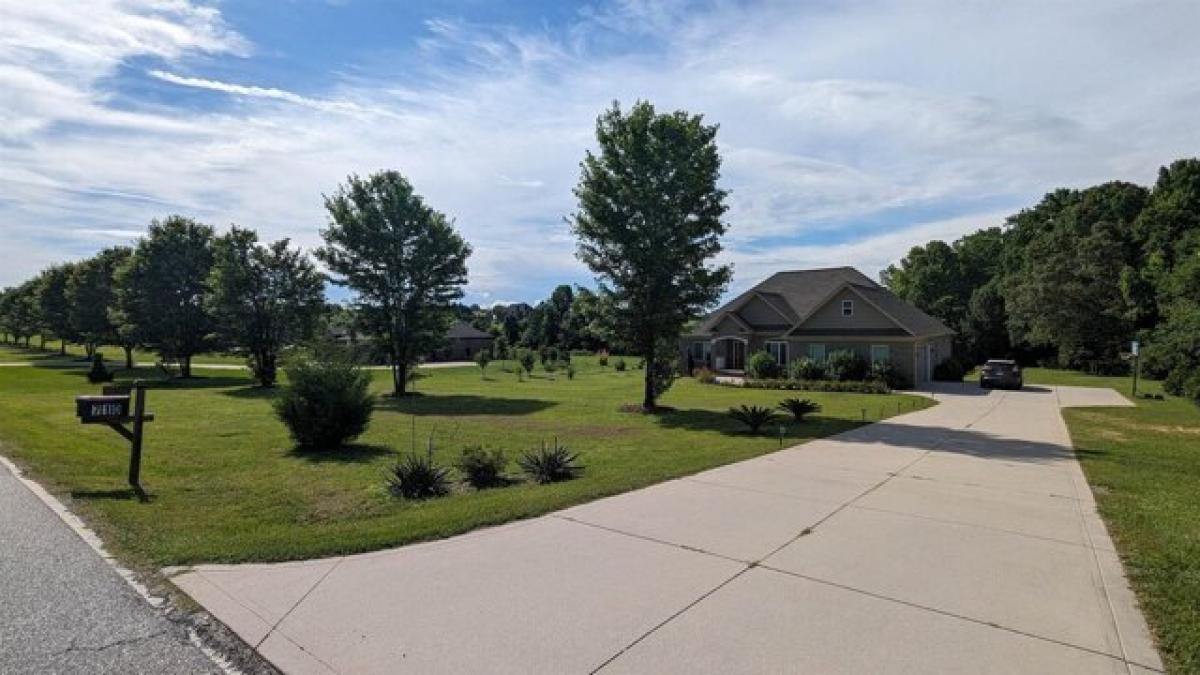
(812, 313)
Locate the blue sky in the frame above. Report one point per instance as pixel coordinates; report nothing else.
(850, 131)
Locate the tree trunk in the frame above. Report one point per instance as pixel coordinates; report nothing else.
(89, 350)
(266, 370)
(399, 377)
(62, 348)
(185, 367)
(128, 356)
(648, 400)
(42, 345)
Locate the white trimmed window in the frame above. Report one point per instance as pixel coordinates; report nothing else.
(847, 308)
(881, 354)
(778, 350)
(701, 351)
(816, 351)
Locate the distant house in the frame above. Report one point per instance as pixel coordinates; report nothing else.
(463, 342)
(812, 313)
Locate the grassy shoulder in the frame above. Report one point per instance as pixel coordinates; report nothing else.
(226, 484)
(1144, 466)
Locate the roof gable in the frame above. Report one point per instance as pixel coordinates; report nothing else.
(794, 296)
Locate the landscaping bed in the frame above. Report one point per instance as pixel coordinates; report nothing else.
(225, 482)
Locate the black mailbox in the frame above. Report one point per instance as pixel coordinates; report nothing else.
(101, 409)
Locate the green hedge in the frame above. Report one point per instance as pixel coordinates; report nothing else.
(853, 386)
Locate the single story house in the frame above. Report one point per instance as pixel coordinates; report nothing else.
(463, 342)
(812, 313)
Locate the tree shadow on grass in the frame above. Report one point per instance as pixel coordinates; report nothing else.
(462, 405)
(699, 419)
(126, 494)
(253, 391)
(355, 453)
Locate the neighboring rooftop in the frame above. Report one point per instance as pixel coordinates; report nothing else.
(461, 330)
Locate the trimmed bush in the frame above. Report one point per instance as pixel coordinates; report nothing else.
(806, 368)
(602, 360)
(99, 372)
(481, 467)
(418, 477)
(327, 402)
(762, 366)
(951, 369)
(860, 387)
(753, 416)
(482, 359)
(799, 407)
(844, 365)
(619, 365)
(883, 371)
(704, 376)
(550, 464)
(527, 360)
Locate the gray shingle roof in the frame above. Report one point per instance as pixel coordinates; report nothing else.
(463, 330)
(798, 293)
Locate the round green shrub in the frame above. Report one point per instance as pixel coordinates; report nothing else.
(762, 366)
(326, 403)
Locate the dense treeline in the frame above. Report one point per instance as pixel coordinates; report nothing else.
(1071, 281)
(648, 224)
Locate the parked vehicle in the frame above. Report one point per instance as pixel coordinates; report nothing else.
(1003, 373)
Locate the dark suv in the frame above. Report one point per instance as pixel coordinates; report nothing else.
(1001, 373)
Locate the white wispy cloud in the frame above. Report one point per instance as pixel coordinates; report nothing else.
(830, 114)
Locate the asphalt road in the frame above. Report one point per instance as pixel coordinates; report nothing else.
(63, 609)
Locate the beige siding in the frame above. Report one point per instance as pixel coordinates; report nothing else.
(829, 316)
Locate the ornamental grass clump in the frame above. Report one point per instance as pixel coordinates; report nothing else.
(550, 464)
(418, 477)
(754, 416)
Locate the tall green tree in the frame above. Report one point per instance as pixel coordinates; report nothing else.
(54, 307)
(91, 297)
(262, 298)
(20, 312)
(649, 223)
(160, 290)
(404, 261)
(1065, 290)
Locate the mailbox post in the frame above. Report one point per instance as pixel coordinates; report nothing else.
(112, 409)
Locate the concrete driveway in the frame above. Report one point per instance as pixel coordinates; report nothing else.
(962, 538)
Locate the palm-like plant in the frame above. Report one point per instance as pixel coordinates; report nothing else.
(550, 464)
(753, 416)
(799, 407)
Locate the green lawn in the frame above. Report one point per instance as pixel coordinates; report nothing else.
(225, 484)
(113, 355)
(1144, 466)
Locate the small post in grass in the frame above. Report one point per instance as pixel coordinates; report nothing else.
(781, 430)
(864, 414)
(1134, 350)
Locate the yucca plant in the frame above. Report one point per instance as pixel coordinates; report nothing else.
(753, 416)
(550, 464)
(418, 477)
(799, 407)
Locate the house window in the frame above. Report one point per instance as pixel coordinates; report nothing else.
(701, 351)
(847, 308)
(816, 352)
(881, 354)
(778, 351)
